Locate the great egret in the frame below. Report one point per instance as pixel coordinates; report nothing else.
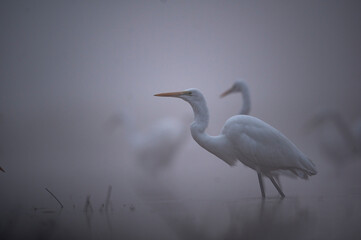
(155, 149)
(240, 86)
(247, 139)
(339, 141)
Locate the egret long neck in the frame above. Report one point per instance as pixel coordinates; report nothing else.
(201, 116)
(213, 144)
(246, 108)
(198, 127)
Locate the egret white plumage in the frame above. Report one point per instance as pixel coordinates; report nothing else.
(241, 87)
(246, 139)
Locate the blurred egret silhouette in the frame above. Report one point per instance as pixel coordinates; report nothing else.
(247, 139)
(240, 86)
(154, 150)
(339, 140)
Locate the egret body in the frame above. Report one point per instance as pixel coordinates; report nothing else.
(241, 87)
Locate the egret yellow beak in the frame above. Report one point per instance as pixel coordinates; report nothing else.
(227, 92)
(171, 94)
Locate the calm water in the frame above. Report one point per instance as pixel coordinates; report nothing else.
(313, 217)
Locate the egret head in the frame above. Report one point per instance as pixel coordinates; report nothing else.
(195, 98)
(238, 86)
(191, 95)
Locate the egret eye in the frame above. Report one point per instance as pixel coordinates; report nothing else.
(190, 93)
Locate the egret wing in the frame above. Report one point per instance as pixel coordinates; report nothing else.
(263, 147)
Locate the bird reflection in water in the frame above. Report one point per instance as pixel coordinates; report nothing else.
(269, 219)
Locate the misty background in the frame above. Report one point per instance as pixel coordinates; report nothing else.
(67, 66)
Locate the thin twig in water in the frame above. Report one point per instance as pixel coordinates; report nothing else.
(1, 169)
(61, 205)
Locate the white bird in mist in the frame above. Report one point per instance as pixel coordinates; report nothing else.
(247, 139)
(154, 150)
(241, 87)
(339, 140)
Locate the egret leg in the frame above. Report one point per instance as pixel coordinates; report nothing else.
(276, 186)
(260, 180)
(277, 178)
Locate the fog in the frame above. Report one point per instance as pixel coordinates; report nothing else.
(68, 66)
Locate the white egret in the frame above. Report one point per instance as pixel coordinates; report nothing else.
(240, 86)
(155, 149)
(247, 139)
